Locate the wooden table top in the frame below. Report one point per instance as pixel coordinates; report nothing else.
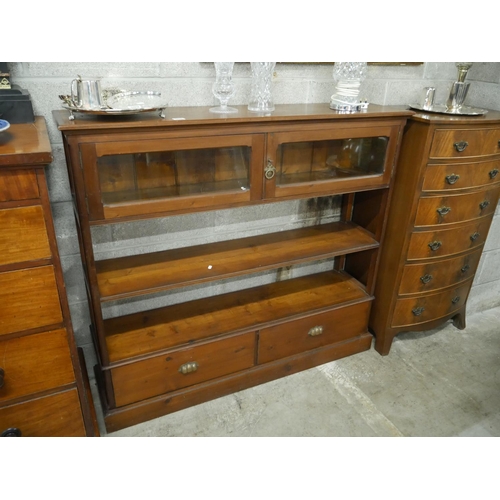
(25, 144)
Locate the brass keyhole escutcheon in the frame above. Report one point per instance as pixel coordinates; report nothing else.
(474, 236)
(484, 204)
(493, 173)
(270, 170)
(465, 268)
(455, 300)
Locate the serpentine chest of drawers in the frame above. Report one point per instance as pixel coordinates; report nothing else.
(157, 360)
(44, 390)
(446, 191)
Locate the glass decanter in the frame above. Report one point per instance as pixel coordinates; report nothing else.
(348, 77)
(223, 87)
(261, 98)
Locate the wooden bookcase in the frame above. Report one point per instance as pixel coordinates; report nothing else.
(137, 167)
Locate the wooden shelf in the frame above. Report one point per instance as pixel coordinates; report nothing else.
(148, 332)
(141, 274)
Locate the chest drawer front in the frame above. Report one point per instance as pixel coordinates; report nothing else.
(18, 185)
(461, 176)
(429, 307)
(313, 332)
(58, 415)
(435, 275)
(182, 368)
(456, 208)
(29, 299)
(444, 242)
(462, 143)
(35, 363)
(23, 235)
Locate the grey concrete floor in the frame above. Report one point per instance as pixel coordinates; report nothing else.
(444, 382)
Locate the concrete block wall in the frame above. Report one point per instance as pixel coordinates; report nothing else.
(189, 84)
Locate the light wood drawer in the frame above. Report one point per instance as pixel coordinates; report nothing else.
(18, 185)
(23, 235)
(435, 275)
(462, 143)
(58, 415)
(444, 242)
(461, 176)
(429, 307)
(182, 368)
(35, 363)
(434, 210)
(312, 332)
(29, 299)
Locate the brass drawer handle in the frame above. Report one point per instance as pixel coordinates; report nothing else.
(2, 375)
(451, 179)
(484, 204)
(270, 170)
(317, 330)
(460, 146)
(455, 300)
(434, 245)
(443, 210)
(493, 173)
(465, 268)
(474, 236)
(426, 278)
(418, 311)
(190, 367)
(11, 432)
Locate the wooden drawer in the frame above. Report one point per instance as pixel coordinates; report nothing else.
(35, 363)
(23, 235)
(18, 185)
(29, 299)
(413, 311)
(58, 415)
(444, 242)
(435, 275)
(312, 332)
(182, 368)
(457, 143)
(434, 210)
(461, 176)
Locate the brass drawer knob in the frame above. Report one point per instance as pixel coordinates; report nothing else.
(426, 278)
(484, 204)
(317, 330)
(190, 367)
(418, 311)
(474, 236)
(451, 179)
(270, 170)
(455, 300)
(460, 146)
(434, 245)
(493, 173)
(443, 210)
(465, 268)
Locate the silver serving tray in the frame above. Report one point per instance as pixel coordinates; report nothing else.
(124, 103)
(441, 108)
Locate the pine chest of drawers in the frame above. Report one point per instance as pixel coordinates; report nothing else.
(446, 191)
(43, 385)
(161, 359)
